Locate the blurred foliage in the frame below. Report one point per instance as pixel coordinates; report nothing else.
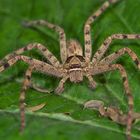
(64, 118)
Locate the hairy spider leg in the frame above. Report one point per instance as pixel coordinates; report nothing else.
(105, 46)
(59, 30)
(105, 68)
(87, 28)
(46, 53)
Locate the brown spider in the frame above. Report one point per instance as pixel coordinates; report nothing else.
(74, 64)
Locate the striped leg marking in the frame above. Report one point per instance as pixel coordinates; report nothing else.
(92, 83)
(114, 56)
(104, 47)
(26, 85)
(59, 30)
(127, 91)
(60, 87)
(38, 65)
(50, 57)
(87, 27)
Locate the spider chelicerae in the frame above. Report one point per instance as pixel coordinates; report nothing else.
(75, 65)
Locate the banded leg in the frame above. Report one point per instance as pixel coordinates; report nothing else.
(26, 85)
(114, 56)
(92, 83)
(50, 57)
(38, 65)
(62, 36)
(87, 28)
(60, 87)
(104, 47)
(127, 91)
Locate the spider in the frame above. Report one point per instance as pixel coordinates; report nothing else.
(75, 65)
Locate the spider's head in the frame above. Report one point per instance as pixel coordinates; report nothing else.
(75, 61)
(75, 70)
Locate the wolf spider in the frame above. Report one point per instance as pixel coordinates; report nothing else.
(74, 64)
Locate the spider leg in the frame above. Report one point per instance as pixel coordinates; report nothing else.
(109, 59)
(60, 87)
(38, 65)
(59, 30)
(87, 27)
(92, 83)
(104, 47)
(50, 57)
(105, 68)
(25, 86)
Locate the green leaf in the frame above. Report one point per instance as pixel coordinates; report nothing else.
(63, 117)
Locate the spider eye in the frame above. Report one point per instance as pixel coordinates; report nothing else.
(68, 59)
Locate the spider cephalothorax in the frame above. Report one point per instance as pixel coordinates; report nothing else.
(75, 63)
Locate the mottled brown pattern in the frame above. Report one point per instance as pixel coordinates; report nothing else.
(25, 86)
(74, 64)
(112, 112)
